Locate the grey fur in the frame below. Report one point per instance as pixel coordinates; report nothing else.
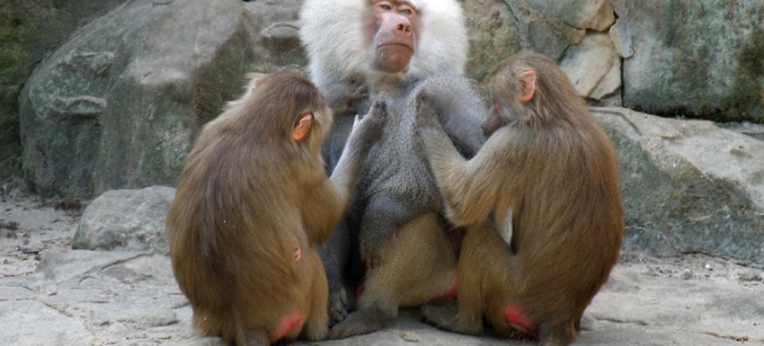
(396, 185)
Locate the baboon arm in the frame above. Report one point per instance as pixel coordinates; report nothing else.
(325, 208)
(471, 188)
(339, 190)
(460, 112)
(363, 135)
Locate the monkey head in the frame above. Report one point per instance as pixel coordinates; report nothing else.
(510, 91)
(526, 87)
(360, 39)
(391, 27)
(291, 103)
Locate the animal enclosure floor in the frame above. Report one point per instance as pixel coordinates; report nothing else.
(53, 295)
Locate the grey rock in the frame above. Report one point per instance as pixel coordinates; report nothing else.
(551, 37)
(609, 85)
(51, 327)
(620, 33)
(621, 37)
(277, 45)
(688, 186)
(593, 14)
(593, 64)
(696, 59)
(745, 127)
(120, 103)
(282, 36)
(32, 29)
(73, 266)
(126, 220)
(495, 31)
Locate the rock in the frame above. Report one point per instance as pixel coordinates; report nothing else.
(696, 59)
(592, 14)
(747, 128)
(126, 220)
(49, 327)
(277, 44)
(32, 29)
(551, 37)
(593, 64)
(688, 186)
(620, 33)
(609, 85)
(120, 103)
(495, 31)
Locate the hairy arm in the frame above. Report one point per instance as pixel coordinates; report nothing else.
(339, 189)
(471, 188)
(459, 110)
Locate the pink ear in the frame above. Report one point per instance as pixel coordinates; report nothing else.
(528, 79)
(256, 83)
(303, 127)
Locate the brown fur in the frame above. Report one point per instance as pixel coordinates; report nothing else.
(248, 197)
(552, 170)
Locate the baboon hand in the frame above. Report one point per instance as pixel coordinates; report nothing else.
(343, 98)
(372, 124)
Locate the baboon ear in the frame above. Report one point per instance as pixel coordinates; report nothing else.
(302, 128)
(257, 82)
(256, 79)
(528, 81)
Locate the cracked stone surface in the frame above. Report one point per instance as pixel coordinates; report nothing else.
(53, 295)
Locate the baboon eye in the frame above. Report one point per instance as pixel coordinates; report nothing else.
(407, 11)
(384, 5)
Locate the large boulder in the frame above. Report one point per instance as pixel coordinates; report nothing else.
(688, 186)
(120, 104)
(30, 30)
(132, 220)
(696, 58)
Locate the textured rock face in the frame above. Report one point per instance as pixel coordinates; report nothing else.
(580, 35)
(119, 105)
(126, 220)
(29, 30)
(696, 58)
(688, 186)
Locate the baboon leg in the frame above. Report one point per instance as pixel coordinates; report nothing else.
(335, 255)
(317, 323)
(421, 267)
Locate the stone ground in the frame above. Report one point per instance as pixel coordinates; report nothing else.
(53, 295)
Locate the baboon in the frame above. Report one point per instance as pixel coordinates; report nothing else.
(252, 203)
(551, 169)
(392, 51)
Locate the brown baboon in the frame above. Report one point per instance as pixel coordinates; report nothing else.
(547, 175)
(252, 203)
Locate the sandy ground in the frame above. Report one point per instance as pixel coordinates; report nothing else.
(52, 295)
(30, 225)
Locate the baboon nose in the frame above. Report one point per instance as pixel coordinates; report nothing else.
(405, 29)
